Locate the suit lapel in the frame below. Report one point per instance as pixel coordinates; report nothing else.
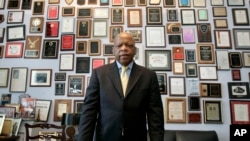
(134, 77)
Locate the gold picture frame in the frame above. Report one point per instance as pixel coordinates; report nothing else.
(175, 110)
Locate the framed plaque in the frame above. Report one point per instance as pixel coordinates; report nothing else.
(184, 3)
(162, 81)
(212, 111)
(18, 79)
(68, 11)
(94, 47)
(13, 4)
(174, 39)
(66, 62)
(38, 7)
(175, 110)
(68, 25)
(194, 103)
(222, 39)
(236, 75)
(142, 2)
(199, 3)
(220, 23)
(60, 76)
(15, 33)
(43, 109)
(82, 64)
(83, 28)
(188, 35)
(61, 106)
(52, 29)
(14, 50)
(235, 60)
(104, 2)
(81, 47)
(172, 14)
(92, 2)
(191, 70)
(204, 32)
(237, 107)
(241, 36)
(188, 17)
(101, 13)
(4, 77)
(246, 59)
(154, 15)
(208, 73)
(50, 49)
(222, 60)
(154, 2)
(76, 85)
(219, 11)
(53, 12)
(173, 28)
(36, 24)
(78, 106)
(108, 50)
(59, 88)
(40, 77)
(235, 2)
(134, 17)
(238, 90)
(67, 42)
(169, 3)
(54, 1)
(240, 16)
(15, 17)
(100, 28)
(114, 30)
(212, 90)
(137, 34)
(33, 47)
(97, 62)
(190, 55)
(202, 14)
(158, 60)
(205, 53)
(155, 36)
(178, 53)
(117, 15)
(84, 12)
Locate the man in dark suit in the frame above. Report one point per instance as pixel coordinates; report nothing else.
(109, 114)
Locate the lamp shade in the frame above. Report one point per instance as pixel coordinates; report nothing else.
(70, 119)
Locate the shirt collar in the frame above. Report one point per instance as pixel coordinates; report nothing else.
(129, 65)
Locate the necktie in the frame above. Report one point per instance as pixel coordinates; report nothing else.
(124, 79)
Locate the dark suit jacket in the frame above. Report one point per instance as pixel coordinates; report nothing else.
(112, 117)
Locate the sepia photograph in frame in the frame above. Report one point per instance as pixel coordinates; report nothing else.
(134, 17)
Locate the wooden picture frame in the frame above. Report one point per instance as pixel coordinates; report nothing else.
(83, 28)
(235, 59)
(163, 61)
(134, 17)
(85, 12)
(104, 2)
(154, 15)
(40, 77)
(236, 75)
(18, 79)
(211, 90)
(101, 13)
(222, 39)
(36, 24)
(50, 49)
(52, 29)
(59, 88)
(129, 3)
(42, 110)
(217, 2)
(94, 47)
(76, 85)
(208, 73)
(222, 60)
(220, 11)
(68, 11)
(67, 42)
(190, 55)
(117, 16)
(194, 117)
(205, 53)
(175, 110)
(204, 32)
(178, 67)
(4, 77)
(14, 50)
(240, 16)
(142, 2)
(66, 62)
(97, 62)
(212, 111)
(28, 106)
(155, 36)
(220, 23)
(173, 28)
(194, 103)
(68, 25)
(54, 1)
(113, 31)
(60, 76)
(108, 50)
(78, 106)
(246, 58)
(61, 106)
(38, 7)
(238, 90)
(178, 53)
(82, 65)
(241, 35)
(100, 28)
(162, 81)
(53, 12)
(81, 47)
(15, 33)
(239, 106)
(33, 47)
(2, 34)
(188, 17)
(235, 2)
(1, 51)
(172, 15)
(177, 86)
(15, 17)
(13, 4)
(191, 70)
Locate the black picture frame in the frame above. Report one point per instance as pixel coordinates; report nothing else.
(60, 76)
(50, 49)
(174, 39)
(238, 90)
(59, 88)
(82, 65)
(235, 59)
(194, 103)
(15, 33)
(26, 4)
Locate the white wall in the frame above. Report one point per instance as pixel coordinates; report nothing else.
(48, 92)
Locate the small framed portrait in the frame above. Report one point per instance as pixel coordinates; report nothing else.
(76, 85)
(154, 15)
(40, 77)
(134, 17)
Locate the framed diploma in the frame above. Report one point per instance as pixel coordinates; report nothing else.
(42, 109)
(154, 15)
(50, 49)
(217, 2)
(53, 12)
(4, 77)
(84, 12)
(241, 38)
(204, 32)
(83, 29)
(117, 15)
(2, 4)
(68, 25)
(219, 11)
(178, 53)
(66, 62)
(81, 47)
(246, 59)
(13, 4)
(235, 2)
(191, 69)
(212, 90)
(155, 36)
(162, 81)
(158, 60)
(15, 17)
(68, 11)
(190, 55)
(14, 50)
(94, 47)
(208, 73)
(194, 117)
(194, 103)
(222, 60)
(240, 16)
(205, 53)
(38, 7)
(236, 75)
(40, 77)
(15, 33)
(212, 111)
(52, 29)
(175, 110)
(142, 2)
(33, 46)
(169, 3)
(67, 42)
(199, 3)
(172, 14)
(108, 50)
(188, 17)
(220, 23)
(137, 34)
(177, 86)
(240, 112)
(82, 64)
(100, 28)
(188, 35)
(97, 62)
(222, 39)
(59, 88)
(36, 24)
(202, 14)
(18, 79)
(134, 17)
(235, 59)
(114, 30)
(238, 90)
(61, 106)
(76, 85)
(184, 3)
(117, 2)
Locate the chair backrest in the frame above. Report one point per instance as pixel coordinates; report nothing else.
(58, 128)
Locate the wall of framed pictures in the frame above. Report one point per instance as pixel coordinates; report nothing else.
(48, 49)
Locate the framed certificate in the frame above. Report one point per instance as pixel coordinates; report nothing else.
(83, 29)
(84, 12)
(38, 7)
(42, 109)
(158, 60)
(205, 53)
(235, 2)
(117, 15)
(175, 110)
(68, 25)
(237, 107)
(235, 59)
(40, 77)
(155, 36)
(67, 42)
(15, 33)
(220, 23)
(60, 76)
(82, 64)
(212, 111)
(199, 3)
(217, 2)
(4, 77)
(18, 81)
(222, 60)
(178, 67)
(61, 106)
(15, 17)
(53, 12)
(188, 17)
(241, 38)
(14, 50)
(219, 11)
(100, 28)
(134, 17)
(154, 15)
(101, 13)
(191, 70)
(33, 47)
(238, 90)
(177, 87)
(222, 39)
(50, 49)
(117, 2)
(188, 35)
(240, 16)
(52, 29)
(208, 73)
(202, 14)
(66, 62)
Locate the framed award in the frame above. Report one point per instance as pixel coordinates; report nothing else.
(81, 47)
(13, 4)
(241, 38)
(155, 36)
(68, 11)
(68, 25)
(94, 47)
(84, 12)
(15, 17)
(52, 29)
(117, 15)
(204, 32)
(38, 7)
(235, 59)
(205, 53)
(154, 15)
(36, 24)
(188, 17)
(67, 42)
(222, 39)
(83, 29)
(158, 60)
(33, 47)
(134, 17)
(82, 64)
(50, 49)
(14, 50)
(240, 16)
(114, 30)
(169, 3)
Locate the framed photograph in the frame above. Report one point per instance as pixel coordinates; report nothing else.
(154, 15)
(68, 11)
(61, 106)
(137, 35)
(8, 111)
(178, 67)
(4, 77)
(100, 28)
(82, 64)
(236, 75)
(202, 14)
(134, 17)
(78, 106)
(18, 79)
(76, 85)
(188, 17)
(212, 111)
(68, 25)
(158, 60)
(190, 55)
(52, 29)
(220, 23)
(66, 62)
(40, 77)
(219, 11)
(172, 14)
(217, 2)
(2, 4)
(14, 50)
(83, 28)
(94, 47)
(67, 42)
(212, 90)
(15, 33)
(204, 32)
(155, 36)
(38, 7)
(191, 70)
(235, 59)
(33, 47)
(59, 88)
(222, 60)
(178, 53)
(188, 35)
(60, 76)
(84, 12)
(240, 16)
(15, 17)
(97, 62)
(42, 110)
(246, 59)
(235, 2)
(222, 39)
(174, 39)
(101, 12)
(108, 50)
(184, 3)
(117, 15)
(237, 107)
(238, 90)
(53, 12)
(205, 53)
(199, 3)
(177, 86)
(194, 103)
(241, 35)
(114, 30)
(81, 47)
(175, 110)
(13, 4)
(194, 117)
(169, 3)
(50, 49)
(162, 81)
(28, 106)
(208, 73)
